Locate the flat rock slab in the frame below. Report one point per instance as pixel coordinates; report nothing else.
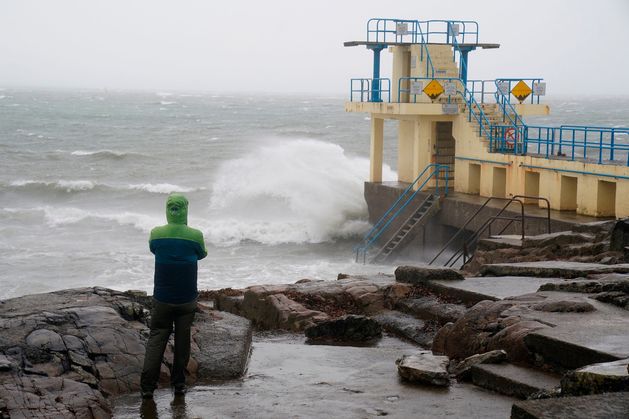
(598, 378)
(350, 328)
(424, 368)
(497, 287)
(600, 406)
(513, 380)
(420, 274)
(287, 379)
(551, 269)
(582, 343)
(405, 325)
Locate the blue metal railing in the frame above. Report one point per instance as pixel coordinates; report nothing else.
(484, 90)
(444, 31)
(431, 171)
(365, 89)
(574, 142)
(508, 84)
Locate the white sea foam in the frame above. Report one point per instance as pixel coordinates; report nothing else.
(166, 102)
(67, 185)
(161, 188)
(104, 153)
(87, 185)
(294, 191)
(57, 216)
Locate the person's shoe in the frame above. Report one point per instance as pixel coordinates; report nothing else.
(180, 389)
(147, 395)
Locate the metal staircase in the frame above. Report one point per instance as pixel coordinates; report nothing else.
(418, 218)
(431, 176)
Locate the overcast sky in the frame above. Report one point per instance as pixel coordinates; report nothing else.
(296, 46)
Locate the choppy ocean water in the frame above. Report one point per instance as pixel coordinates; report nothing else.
(274, 182)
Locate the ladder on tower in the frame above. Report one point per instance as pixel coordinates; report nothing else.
(402, 207)
(418, 218)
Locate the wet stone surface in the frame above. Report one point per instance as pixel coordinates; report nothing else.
(289, 379)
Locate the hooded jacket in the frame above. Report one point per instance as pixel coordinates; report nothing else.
(177, 248)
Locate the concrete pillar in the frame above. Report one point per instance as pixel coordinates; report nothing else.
(622, 205)
(406, 144)
(587, 194)
(550, 188)
(377, 143)
(401, 68)
(423, 145)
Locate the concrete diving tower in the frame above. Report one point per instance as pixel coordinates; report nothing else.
(476, 128)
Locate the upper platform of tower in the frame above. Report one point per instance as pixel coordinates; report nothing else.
(385, 32)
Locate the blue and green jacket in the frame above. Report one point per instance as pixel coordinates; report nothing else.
(177, 249)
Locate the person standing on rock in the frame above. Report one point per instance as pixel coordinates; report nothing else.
(177, 249)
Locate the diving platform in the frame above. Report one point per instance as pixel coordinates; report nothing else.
(391, 44)
(475, 132)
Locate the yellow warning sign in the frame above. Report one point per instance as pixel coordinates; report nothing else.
(521, 91)
(434, 89)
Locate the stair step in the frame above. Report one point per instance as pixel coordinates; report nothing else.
(512, 380)
(569, 347)
(598, 406)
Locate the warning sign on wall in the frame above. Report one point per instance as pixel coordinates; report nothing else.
(521, 91)
(434, 89)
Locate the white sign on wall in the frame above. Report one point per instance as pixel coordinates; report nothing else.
(450, 108)
(401, 29)
(413, 61)
(416, 87)
(503, 87)
(454, 29)
(539, 89)
(449, 88)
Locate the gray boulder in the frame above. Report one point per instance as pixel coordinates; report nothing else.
(424, 368)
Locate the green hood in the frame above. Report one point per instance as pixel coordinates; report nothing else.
(177, 209)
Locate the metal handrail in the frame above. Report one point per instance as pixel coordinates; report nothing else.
(366, 88)
(578, 137)
(454, 258)
(394, 211)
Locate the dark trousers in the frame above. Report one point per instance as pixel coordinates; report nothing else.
(163, 317)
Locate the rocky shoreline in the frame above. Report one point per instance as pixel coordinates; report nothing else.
(544, 321)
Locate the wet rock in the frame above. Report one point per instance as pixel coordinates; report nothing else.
(617, 298)
(31, 396)
(430, 308)
(91, 345)
(561, 238)
(600, 406)
(405, 326)
(551, 269)
(597, 378)
(419, 275)
(564, 307)
(276, 311)
(462, 369)
(424, 368)
(350, 328)
(620, 235)
(229, 337)
(485, 327)
(516, 381)
(46, 339)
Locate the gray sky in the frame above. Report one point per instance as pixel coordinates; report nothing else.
(296, 46)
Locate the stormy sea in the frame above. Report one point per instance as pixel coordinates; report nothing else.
(274, 182)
